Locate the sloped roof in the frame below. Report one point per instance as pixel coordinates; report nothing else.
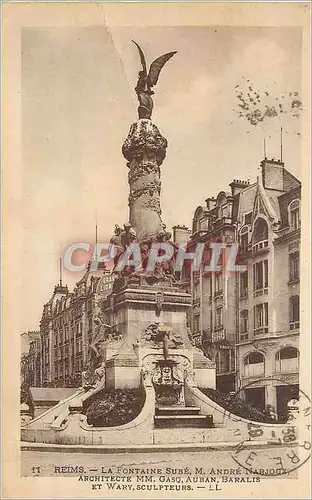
(51, 394)
(246, 201)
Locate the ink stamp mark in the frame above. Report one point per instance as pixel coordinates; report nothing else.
(291, 437)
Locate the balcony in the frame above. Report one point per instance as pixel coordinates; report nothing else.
(262, 330)
(260, 291)
(221, 221)
(197, 339)
(290, 365)
(294, 325)
(294, 279)
(206, 335)
(254, 370)
(243, 336)
(218, 334)
(260, 247)
(243, 294)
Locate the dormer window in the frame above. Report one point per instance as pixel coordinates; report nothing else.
(203, 224)
(294, 215)
(260, 232)
(226, 211)
(260, 235)
(248, 218)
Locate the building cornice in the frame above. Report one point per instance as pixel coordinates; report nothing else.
(286, 237)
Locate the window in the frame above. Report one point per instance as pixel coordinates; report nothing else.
(208, 280)
(66, 367)
(294, 266)
(244, 242)
(219, 317)
(196, 289)
(226, 212)
(244, 239)
(294, 214)
(294, 312)
(244, 324)
(218, 288)
(260, 236)
(203, 224)
(79, 365)
(260, 275)
(79, 347)
(260, 232)
(224, 361)
(196, 323)
(244, 284)
(287, 360)
(248, 218)
(254, 365)
(261, 318)
(79, 329)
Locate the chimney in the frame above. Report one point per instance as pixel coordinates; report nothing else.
(210, 203)
(181, 234)
(237, 186)
(272, 174)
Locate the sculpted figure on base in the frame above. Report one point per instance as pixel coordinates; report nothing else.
(147, 81)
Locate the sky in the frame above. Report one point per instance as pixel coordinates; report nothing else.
(78, 103)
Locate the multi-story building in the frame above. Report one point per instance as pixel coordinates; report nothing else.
(26, 339)
(250, 320)
(31, 358)
(67, 324)
(213, 317)
(34, 360)
(268, 225)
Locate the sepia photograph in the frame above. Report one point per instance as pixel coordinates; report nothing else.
(156, 265)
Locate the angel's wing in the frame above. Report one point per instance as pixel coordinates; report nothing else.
(156, 68)
(142, 57)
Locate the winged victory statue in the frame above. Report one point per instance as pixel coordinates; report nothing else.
(148, 80)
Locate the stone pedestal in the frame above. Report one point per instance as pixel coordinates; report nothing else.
(149, 316)
(122, 370)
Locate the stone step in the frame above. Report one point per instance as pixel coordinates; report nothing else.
(184, 436)
(177, 410)
(180, 421)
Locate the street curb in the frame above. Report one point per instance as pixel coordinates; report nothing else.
(145, 448)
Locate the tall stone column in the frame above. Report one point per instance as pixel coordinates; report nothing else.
(145, 150)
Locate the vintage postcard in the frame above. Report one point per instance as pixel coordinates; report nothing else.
(156, 236)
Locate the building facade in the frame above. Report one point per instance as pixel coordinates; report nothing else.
(269, 295)
(30, 358)
(213, 321)
(250, 320)
(67, 324)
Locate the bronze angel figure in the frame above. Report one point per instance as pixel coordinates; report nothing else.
(148, 80)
